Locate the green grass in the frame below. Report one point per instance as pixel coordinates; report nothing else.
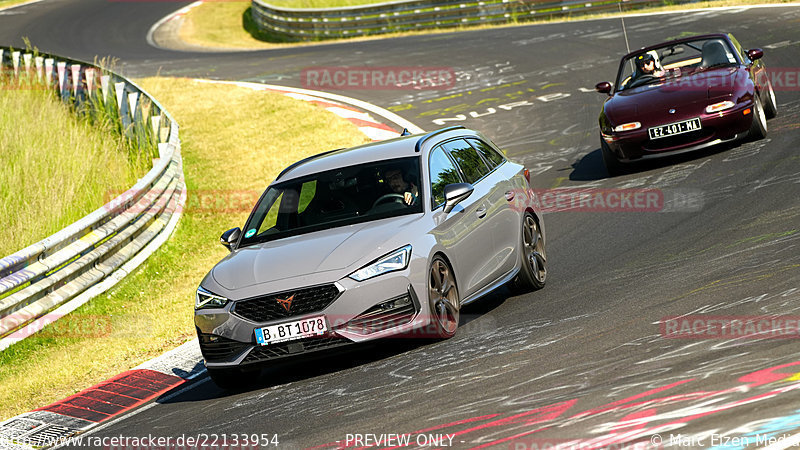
(229, 24)
(7, 3)
(57, 166)
(234, 142)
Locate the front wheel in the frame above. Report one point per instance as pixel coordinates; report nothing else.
(443, 297)
(758, 129)
(533, 273)
(771, 105)
(613, 166)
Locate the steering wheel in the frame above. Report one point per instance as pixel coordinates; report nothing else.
(642, 79)
(395, 198)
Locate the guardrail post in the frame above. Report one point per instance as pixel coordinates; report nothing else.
(38, 62)
(48, 71)
(119, 89)
(26, 60)
(76, 79)
(156, 121)
(104, 85)
(15, 62)
(62, 78)
(89, 75)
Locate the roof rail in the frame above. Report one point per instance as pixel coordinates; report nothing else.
(305, 160)
(434, 133)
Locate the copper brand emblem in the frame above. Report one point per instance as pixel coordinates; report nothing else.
(286, 302)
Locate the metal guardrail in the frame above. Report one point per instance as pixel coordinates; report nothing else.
(89, 256)
(311, 24)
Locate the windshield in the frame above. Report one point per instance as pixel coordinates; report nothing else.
(674, 60)
(334, 198)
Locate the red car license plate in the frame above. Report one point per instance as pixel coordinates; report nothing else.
(675, 128)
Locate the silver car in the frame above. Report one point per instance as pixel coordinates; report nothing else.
(351, 245)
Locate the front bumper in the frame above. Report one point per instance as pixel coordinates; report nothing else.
(227, 335)
(725, 126)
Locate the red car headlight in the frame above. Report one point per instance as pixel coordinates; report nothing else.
(721, 106)
(630, 126)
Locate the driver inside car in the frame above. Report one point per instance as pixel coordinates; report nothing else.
(646, 64)
(397, 183)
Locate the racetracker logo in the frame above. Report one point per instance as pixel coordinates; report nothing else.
(378, 78)
(600, 200)
(730, 327)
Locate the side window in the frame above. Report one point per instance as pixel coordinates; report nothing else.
(307, 192)
(488, 153)
(271, 219)
(471, 164)
(443, 172)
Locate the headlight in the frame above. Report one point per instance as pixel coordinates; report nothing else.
(205, 299)
(721, 106)
(396, 260)
(628, 126)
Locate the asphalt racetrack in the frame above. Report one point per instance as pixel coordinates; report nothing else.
(586, 359)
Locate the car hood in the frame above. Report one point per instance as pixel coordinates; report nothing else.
(702, 87)
(335, 249)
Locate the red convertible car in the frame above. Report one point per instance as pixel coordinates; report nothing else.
(683, 95)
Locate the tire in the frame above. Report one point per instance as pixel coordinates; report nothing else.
(533, 257)
(758, 129)
(771, 105)
(233, 378)
(613, 166)
(443, 298)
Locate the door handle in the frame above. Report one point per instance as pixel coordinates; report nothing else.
(510, 195)
(481, 212)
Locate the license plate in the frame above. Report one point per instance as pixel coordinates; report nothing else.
(289, 331)
(674, 128)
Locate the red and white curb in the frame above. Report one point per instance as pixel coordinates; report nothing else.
(54, 423)
(51, 425)
(358, 112)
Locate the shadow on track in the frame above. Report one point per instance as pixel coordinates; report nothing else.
(590, 167)
(307, 367)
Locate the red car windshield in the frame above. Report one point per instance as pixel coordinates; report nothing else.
(674, 60)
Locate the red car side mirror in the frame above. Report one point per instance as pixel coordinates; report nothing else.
(603, 88)
(755, 53)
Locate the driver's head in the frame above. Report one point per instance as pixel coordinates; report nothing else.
(646, 63)
(394, 177)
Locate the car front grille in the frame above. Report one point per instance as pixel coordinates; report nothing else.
(218, 348)
(277, 306)
(282, 349)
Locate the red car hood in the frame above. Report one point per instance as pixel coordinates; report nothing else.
(656, 99)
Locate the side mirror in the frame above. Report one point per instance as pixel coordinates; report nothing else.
(755, 53)
(603, 88)
(456, 193)
(229, 238)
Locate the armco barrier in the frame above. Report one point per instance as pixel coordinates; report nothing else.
(311, 24)
(57, 274)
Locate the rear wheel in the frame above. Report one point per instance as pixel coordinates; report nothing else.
(758, 129)
(533, 273)
(613, 166)
(234, 378)
(444, 300)
(771, 105)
